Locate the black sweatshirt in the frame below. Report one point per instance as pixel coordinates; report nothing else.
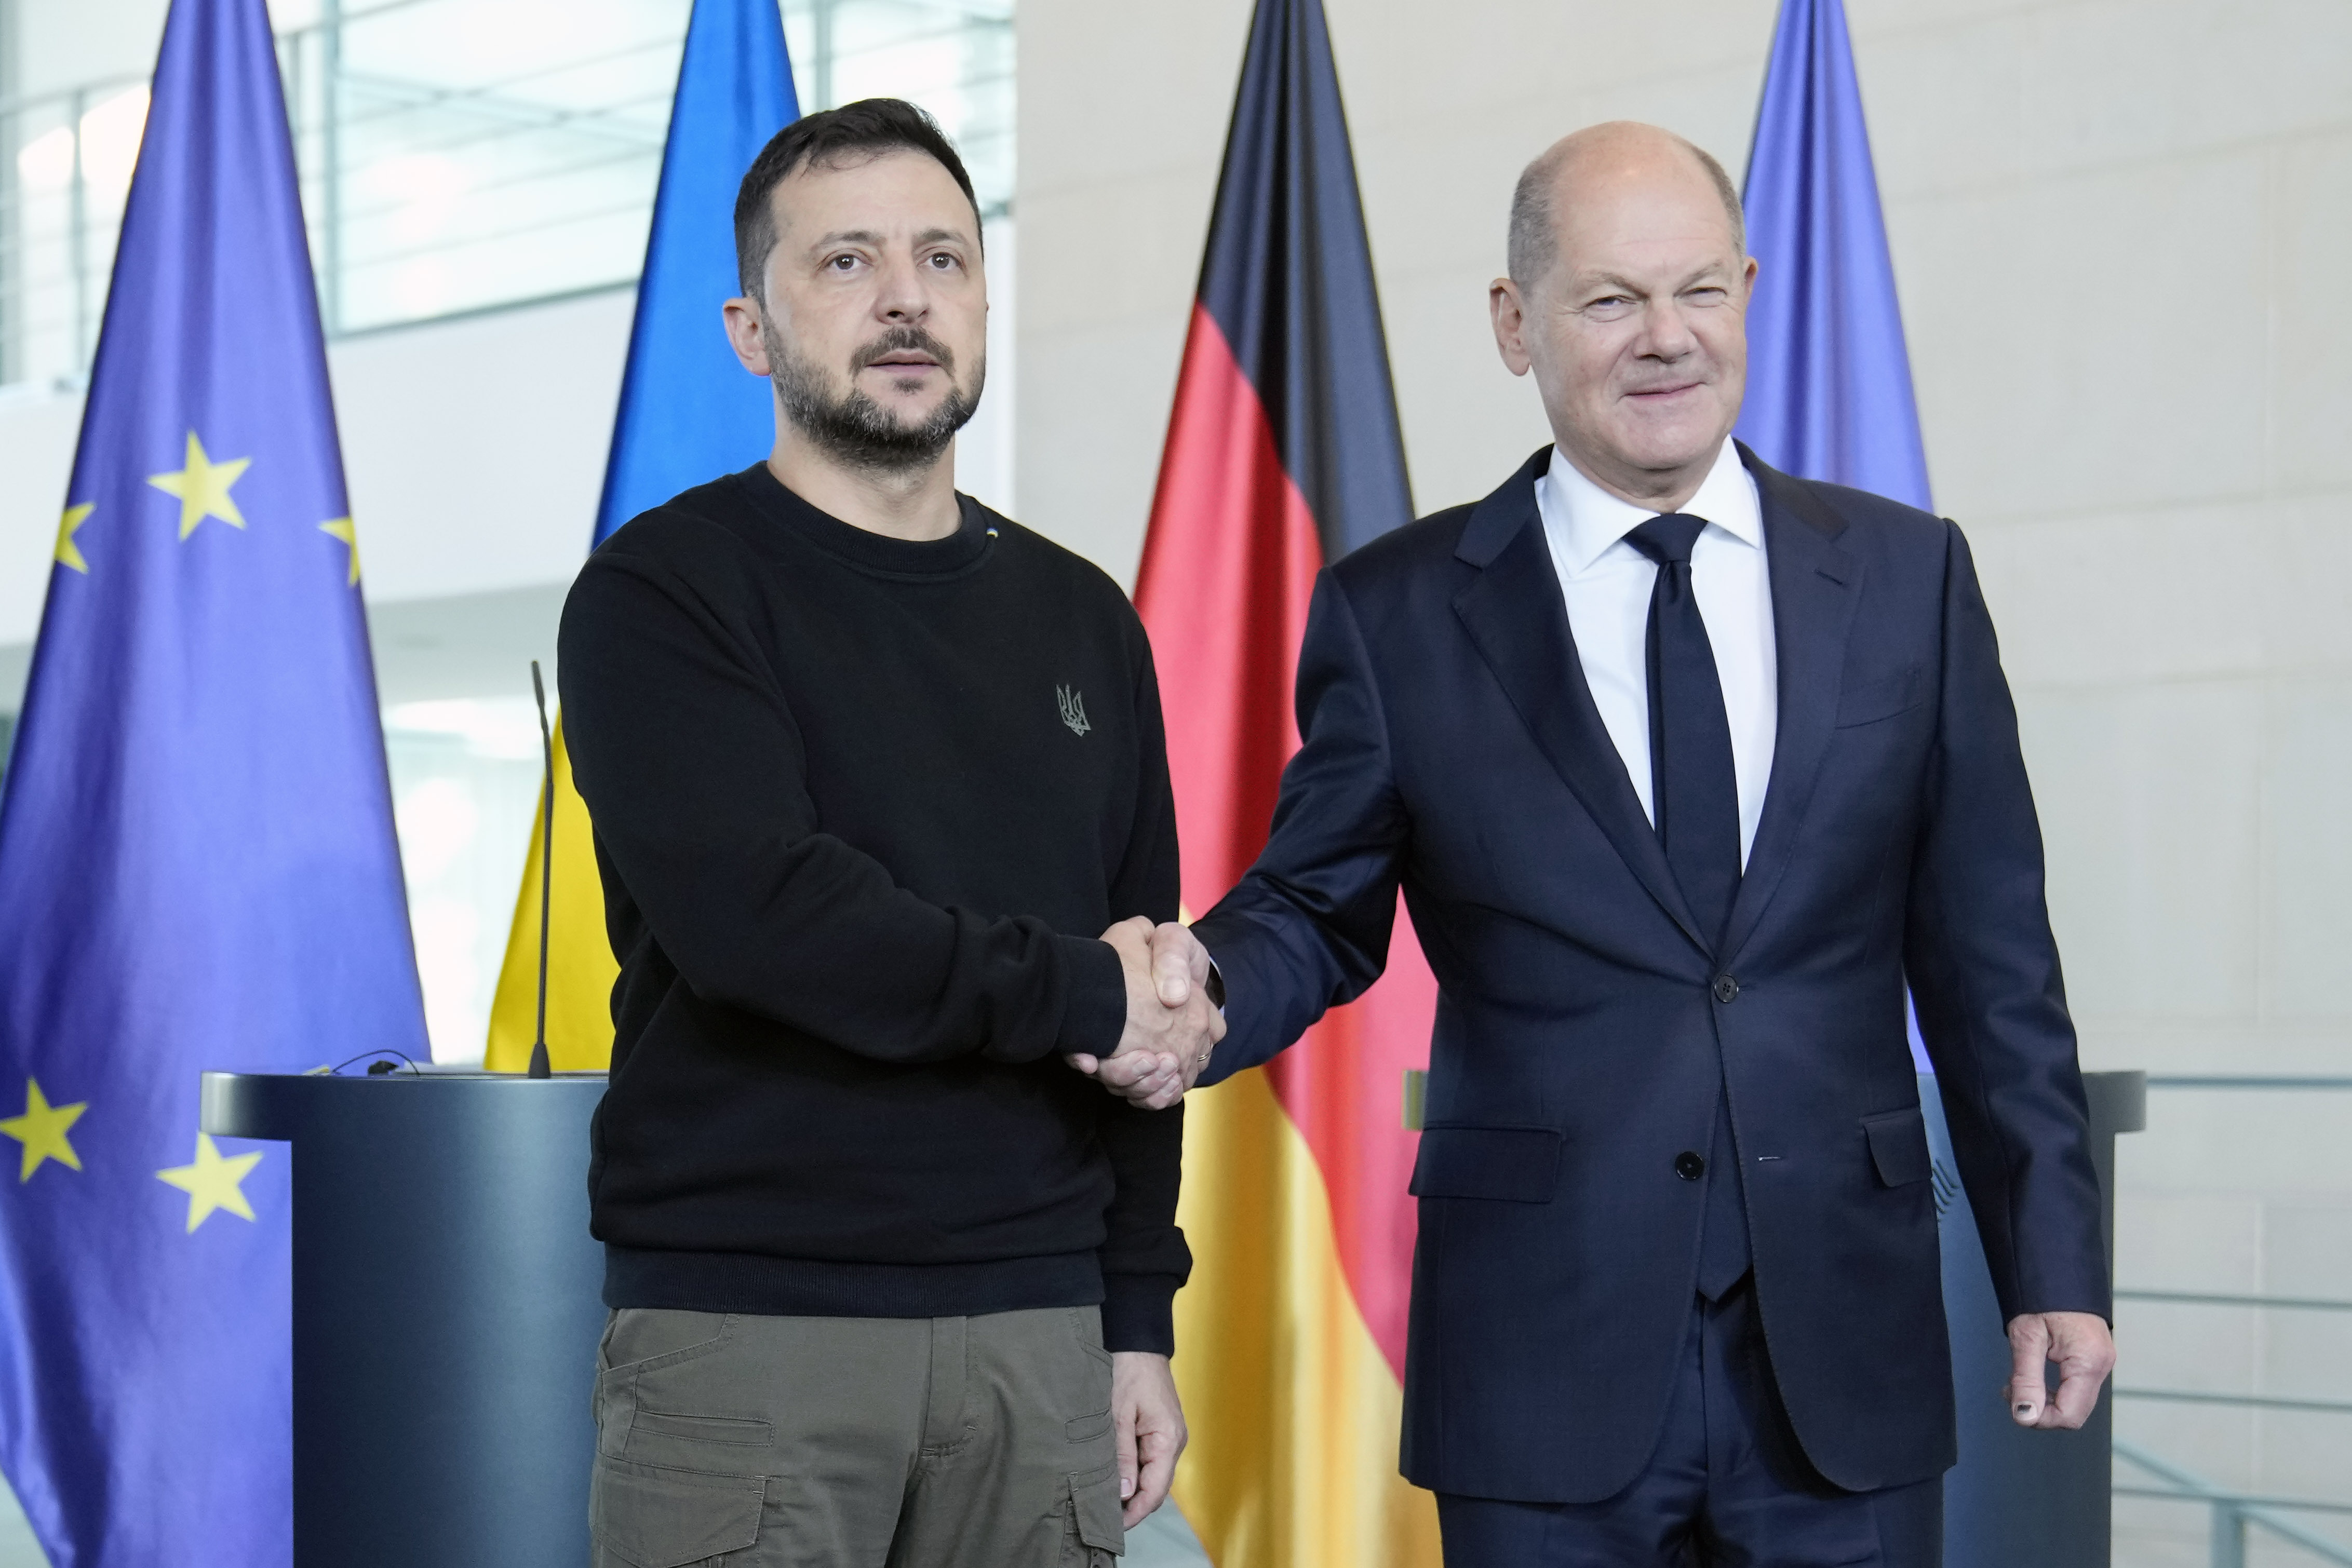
(862, 806)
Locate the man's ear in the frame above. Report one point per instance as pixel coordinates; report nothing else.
(1509, 311)
(744, 335)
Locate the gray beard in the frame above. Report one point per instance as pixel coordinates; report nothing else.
(854, 430)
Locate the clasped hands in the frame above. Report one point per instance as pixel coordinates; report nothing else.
(1171, 1025)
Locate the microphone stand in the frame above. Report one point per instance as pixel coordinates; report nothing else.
(539, 1067)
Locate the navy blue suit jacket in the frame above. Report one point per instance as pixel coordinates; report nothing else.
(1584, 1024)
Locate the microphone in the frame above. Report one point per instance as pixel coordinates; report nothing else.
(546, 869)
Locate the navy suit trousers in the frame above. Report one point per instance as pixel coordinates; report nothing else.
(1727, 1487)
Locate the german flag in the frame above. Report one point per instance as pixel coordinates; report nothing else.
(1283, 453)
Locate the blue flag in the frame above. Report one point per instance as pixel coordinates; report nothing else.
(688, 412)
(1829, 383)
(197, 865)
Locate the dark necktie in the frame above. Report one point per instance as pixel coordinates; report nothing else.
(1694, 797)
(1694, 792)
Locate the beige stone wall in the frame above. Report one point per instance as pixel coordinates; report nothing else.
(2121, 231)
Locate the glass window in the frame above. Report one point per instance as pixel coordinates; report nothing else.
(463, 154)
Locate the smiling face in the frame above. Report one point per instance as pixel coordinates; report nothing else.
(1636, 329)
(874, 328)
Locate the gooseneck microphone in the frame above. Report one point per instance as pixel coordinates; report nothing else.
(546, 868)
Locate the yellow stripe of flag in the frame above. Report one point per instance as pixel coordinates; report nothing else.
(1294, 1411)
(581, 968)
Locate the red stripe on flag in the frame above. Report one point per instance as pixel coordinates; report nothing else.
(1228, 566)
(1228, 569)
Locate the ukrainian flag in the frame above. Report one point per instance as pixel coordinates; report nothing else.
(689, 413)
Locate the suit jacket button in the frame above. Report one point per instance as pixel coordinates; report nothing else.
(1689, 1166)
(1726, 990)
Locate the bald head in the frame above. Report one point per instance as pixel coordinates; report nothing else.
(1587, 163)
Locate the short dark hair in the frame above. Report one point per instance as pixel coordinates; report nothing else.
(832, 138)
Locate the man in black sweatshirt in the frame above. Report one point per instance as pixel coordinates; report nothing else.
(868, 764)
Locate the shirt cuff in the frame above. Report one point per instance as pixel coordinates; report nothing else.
(1139, 1312)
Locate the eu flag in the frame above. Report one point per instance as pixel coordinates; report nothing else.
(197, 866)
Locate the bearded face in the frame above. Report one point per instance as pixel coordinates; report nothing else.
(893, 431)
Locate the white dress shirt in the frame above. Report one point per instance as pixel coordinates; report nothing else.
(1607, 584)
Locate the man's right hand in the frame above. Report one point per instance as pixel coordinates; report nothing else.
(1171, 1025)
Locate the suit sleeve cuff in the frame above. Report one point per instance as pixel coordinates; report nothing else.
(1139, 1312)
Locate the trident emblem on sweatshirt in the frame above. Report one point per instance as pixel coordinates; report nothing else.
(1074, 709)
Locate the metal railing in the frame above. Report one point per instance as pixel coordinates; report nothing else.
(2235, 1515)
(2233, 1511)
(457, 155)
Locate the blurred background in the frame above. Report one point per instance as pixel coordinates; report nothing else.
(2120, 228)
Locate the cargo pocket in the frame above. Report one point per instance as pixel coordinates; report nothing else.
(734, 1431)
(1094, 1536)
(1086, 1323)
(655, 1518)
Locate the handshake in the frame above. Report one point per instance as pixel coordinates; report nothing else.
(1173, 1023)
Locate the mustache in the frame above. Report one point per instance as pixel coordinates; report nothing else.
(901, 341)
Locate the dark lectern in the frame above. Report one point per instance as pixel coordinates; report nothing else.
(445, 1312)
(2020, 1498)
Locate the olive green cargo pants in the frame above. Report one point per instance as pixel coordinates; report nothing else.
(741, 1441)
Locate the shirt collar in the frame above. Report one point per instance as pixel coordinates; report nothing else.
(1588, 519)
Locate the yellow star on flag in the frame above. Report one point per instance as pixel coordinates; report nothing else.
(342, 528)
(212, 1182)
(42, 1130)
(68, 552)
(202, 487)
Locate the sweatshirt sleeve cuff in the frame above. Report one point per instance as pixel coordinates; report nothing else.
(1094, 1013)
(1139, 1312)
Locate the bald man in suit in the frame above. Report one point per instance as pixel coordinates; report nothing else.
(1686, 769)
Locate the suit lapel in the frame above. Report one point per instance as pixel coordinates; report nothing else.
(1516, 616)
(1816, 587)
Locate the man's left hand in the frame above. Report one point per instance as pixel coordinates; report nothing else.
(1148, 1423)
(2085, 1353)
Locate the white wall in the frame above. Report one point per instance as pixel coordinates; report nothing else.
(65, 46)
(2119, 228)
